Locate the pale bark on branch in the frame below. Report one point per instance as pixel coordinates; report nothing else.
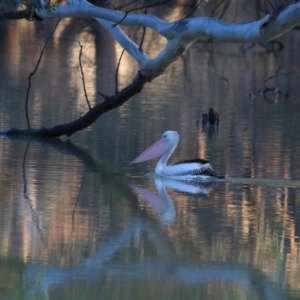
(179, 34)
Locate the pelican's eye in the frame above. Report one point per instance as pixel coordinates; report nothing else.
(165, 135)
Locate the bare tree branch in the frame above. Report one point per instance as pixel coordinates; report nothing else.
(214, 11)
(101, 94)
(194, 9)
(82, 76)
(115, 8)
(118, 23)
(273, 15)
(117, 71)
(271, 4)
(34, 71)
(179, 38)
(143, 35)
(275, 88)
(140, 7)
(91, 116)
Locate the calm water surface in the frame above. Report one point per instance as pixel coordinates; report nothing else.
(78, 222)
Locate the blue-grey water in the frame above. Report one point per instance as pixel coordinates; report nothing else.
(78, 222)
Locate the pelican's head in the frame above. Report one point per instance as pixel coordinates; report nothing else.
(171, 137)
(169, 140)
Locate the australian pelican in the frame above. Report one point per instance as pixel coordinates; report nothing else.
(188, 169)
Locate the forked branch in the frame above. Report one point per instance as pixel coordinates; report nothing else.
(275, 88)
(91, 116)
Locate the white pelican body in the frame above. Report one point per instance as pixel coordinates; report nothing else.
(189, 169)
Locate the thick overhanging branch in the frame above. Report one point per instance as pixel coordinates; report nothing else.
(286, 19)
(182, 33)
(179, 36)
(126, 43)
(84, 10)
(91, 116)
(188, 30)
(191, 29)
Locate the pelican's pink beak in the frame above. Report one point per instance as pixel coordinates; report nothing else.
(155, 150)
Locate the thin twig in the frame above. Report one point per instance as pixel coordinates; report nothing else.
(142, 39)
(271, 4)
(274, 14)
(268, 89)
(144, 33)
(214, 11)
(138, 8)
(224, 9)
(118, 23)
(104, 96)
(82, 76)
(112, 5)
(276, 89)
(195, 8)
(34, 71)
(117, 71)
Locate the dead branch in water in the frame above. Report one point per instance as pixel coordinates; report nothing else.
(109, 103)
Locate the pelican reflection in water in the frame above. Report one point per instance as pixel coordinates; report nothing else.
(162, 203)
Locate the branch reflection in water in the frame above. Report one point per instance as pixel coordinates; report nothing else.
(168, 264)
(115, 255)
(162, 203)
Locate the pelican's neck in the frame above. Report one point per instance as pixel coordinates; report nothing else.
(165, 157)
